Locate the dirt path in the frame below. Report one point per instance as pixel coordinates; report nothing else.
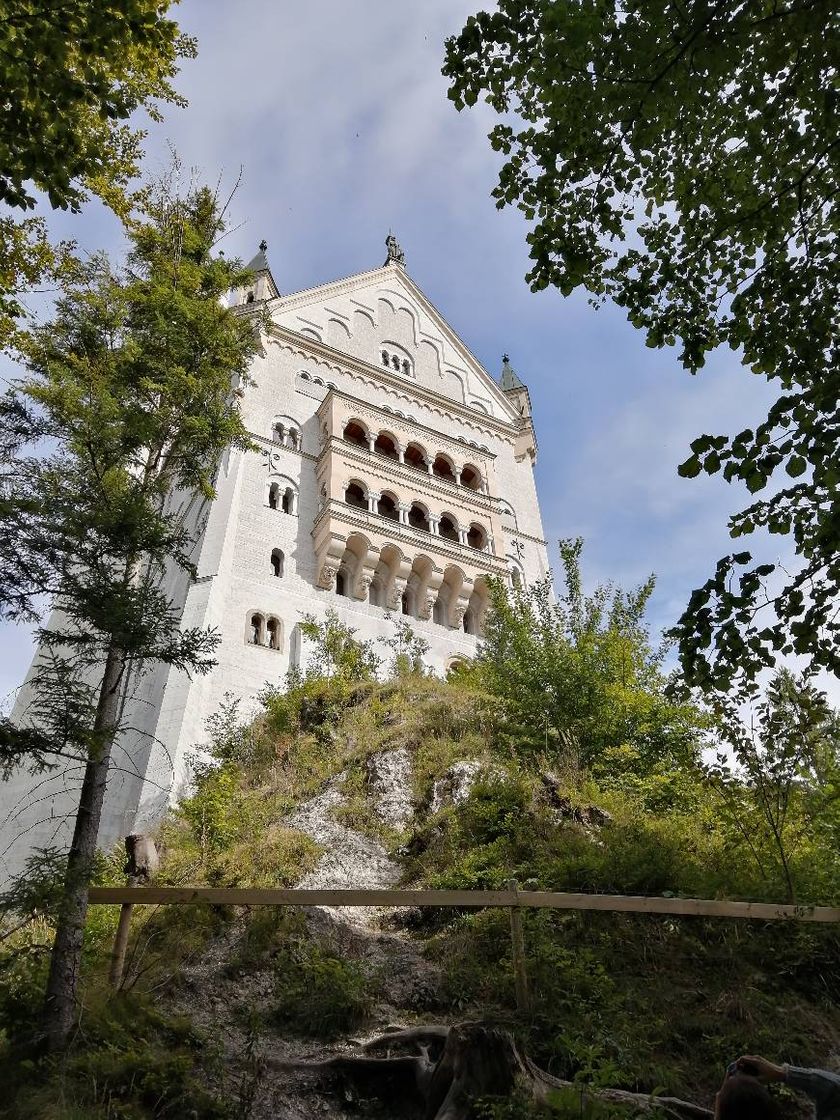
(220, 1004)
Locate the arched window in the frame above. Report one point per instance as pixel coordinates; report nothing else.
(356, 434)
(288, 502)
(418, 517)
(471, 477)
(354, 495)
(469, 622)
(278, 433)
(415, 456)
(395, 362)
(273, 631)
(385, 445)
(274, 495)
(443, 468)
(341, 583)
(249, 298)
(476, 537)
(256, 630)
(448, 529)
(384, 357)
(406, 367)
(277, 560)
(387, 507)
(407, 603)
(294, 438)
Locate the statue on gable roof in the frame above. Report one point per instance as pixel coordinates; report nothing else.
(395, 253)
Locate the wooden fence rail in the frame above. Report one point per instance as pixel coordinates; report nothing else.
(551, 900)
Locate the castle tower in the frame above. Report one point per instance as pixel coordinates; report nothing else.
(392, 474)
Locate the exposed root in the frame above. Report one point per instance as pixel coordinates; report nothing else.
(454, 1066)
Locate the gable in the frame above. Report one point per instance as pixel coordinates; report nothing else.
(382, 317)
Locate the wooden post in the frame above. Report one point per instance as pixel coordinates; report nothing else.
(517, 938)
(141, 864)
(121, 940)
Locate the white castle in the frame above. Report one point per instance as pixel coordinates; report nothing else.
(394, 474)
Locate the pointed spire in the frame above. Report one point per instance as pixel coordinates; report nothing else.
(260, 261)
(510, 379)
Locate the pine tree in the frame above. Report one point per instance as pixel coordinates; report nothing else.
(112, 440)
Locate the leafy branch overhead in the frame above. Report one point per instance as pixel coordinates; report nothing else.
(683, 162)
(72, 77)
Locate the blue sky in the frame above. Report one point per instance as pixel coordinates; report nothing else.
(338, 116)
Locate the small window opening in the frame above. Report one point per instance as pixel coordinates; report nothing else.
(273, 630)
(395, 362)
(384, 357)
(274, 496)
(249, 298)
(405, 603)
(448, 529)
(418, 518)
(341, 584)
(256, 634)
(438, 612)
(288, 503)
(476, 537)
(471, 478)
(516, 579)
(387, 507)
(294, 438)
(355, 433)
(415, 457)
(385, 446)
(443, 469)
(469, 622)
(277, 562)
(279, 433)
(406, 368)
(354, 495)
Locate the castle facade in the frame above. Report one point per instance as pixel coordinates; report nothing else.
(393, 475)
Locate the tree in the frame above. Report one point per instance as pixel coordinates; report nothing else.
(72, 75)
(683, 160)
(578, 675)
(337, 654)
(780, 790)
(130, 394)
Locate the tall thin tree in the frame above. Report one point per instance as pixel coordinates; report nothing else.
(131, 395)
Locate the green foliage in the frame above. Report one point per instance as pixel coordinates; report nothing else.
(407, 649)
(578, 676)
(336, 652)
(132, 1062)
(682, 161)
(784, 791)
(319, 993)
(73, 75)
(316, 990)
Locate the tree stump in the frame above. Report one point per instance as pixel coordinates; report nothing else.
(452, 1067)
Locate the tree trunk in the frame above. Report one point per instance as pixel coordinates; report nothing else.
(60, 1001)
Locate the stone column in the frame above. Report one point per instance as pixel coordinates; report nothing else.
(491, 546)
(457, 472)
(434, 526)
(371, 441)
(401, 454)
(462, 535)
(373, 500)
(430, 467)
(403, 513)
